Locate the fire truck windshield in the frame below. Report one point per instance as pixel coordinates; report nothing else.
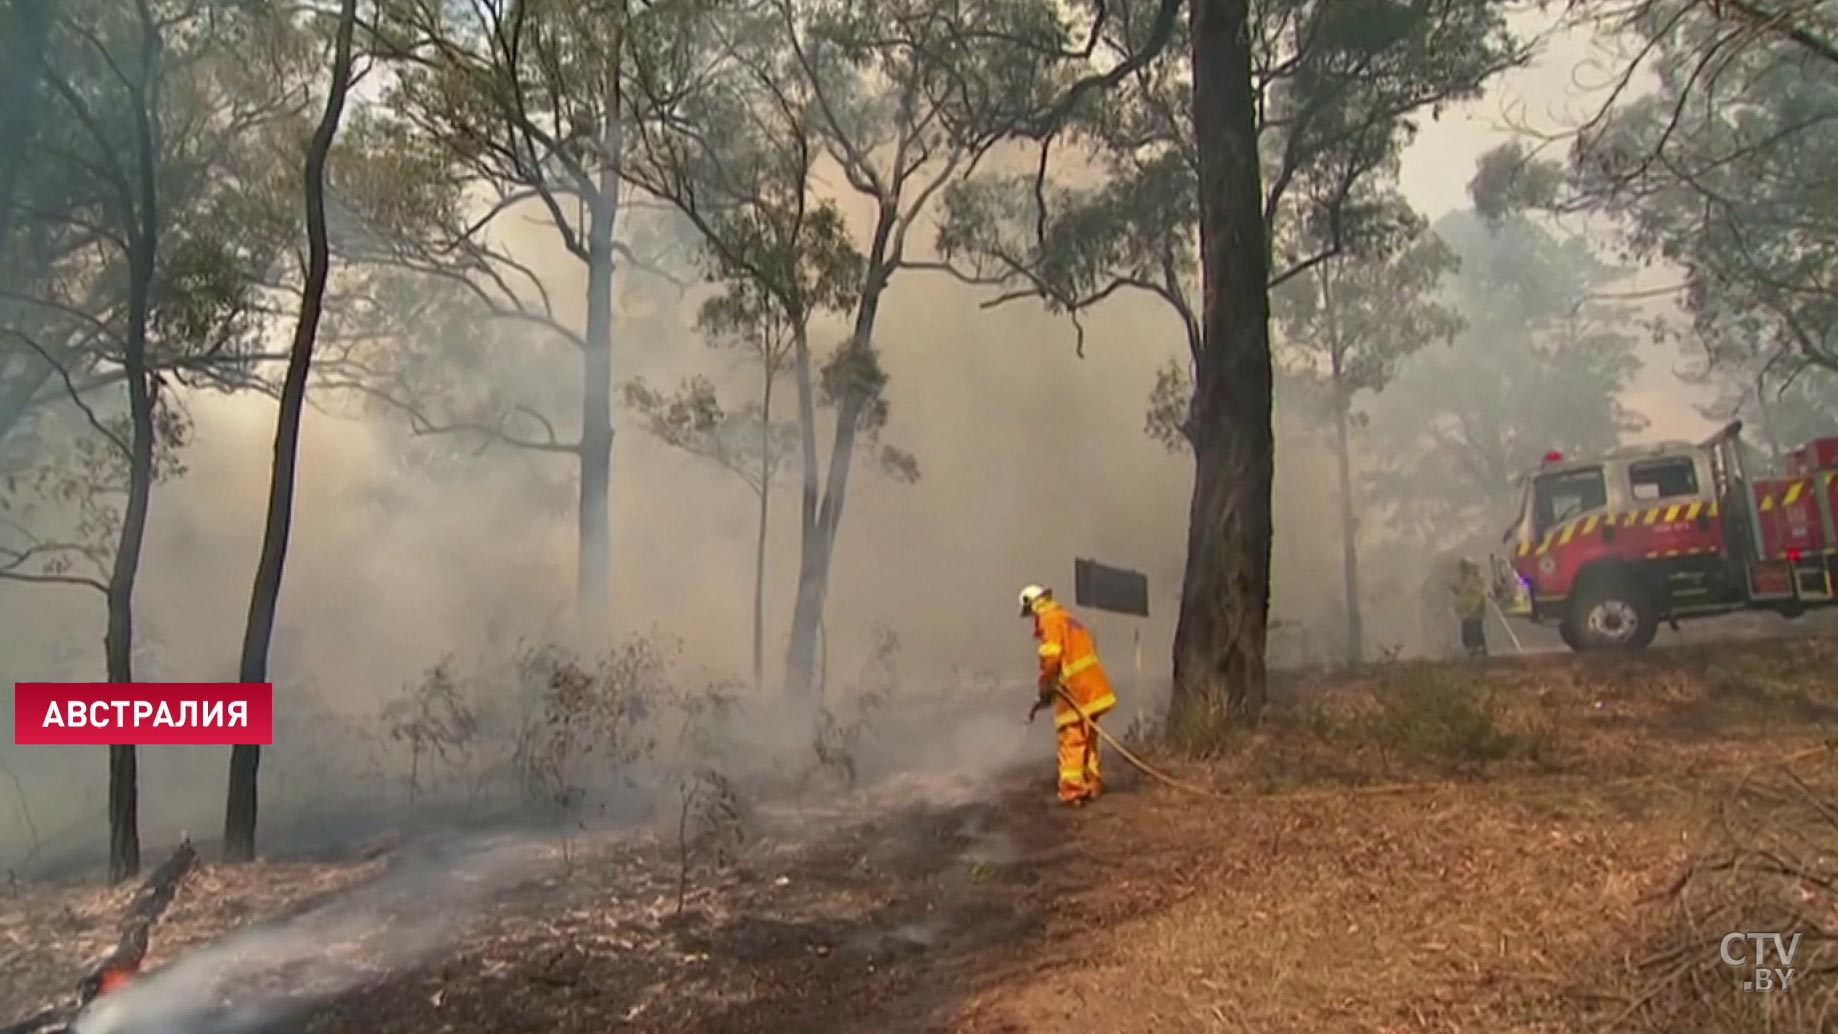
(1558, 497)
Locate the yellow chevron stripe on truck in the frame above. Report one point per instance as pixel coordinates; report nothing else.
(1582, 527)
(1793, 493)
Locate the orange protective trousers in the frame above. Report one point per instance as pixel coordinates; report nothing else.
(1069, 664)
(1079, 778)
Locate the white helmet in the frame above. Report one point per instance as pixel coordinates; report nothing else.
(1031, 594)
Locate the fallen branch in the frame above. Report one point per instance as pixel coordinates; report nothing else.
(121, 964)
(149, 904)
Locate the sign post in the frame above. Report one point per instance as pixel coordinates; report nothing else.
(1115, 589)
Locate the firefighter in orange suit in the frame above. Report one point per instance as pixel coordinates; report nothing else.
(1069, 660)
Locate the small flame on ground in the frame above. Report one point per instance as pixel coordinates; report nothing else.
(115, 976)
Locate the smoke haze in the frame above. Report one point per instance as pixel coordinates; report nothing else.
(1030, 457)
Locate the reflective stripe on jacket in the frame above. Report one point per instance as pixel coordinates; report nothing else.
(1471, 595)
(1069, 657)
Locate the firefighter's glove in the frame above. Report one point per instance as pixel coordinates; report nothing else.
(1039, 706)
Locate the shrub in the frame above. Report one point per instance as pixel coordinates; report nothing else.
(580, 723)
(1440, 716)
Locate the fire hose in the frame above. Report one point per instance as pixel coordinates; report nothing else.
(1130, 756)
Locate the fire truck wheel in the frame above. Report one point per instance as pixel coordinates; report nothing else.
(1610, 614)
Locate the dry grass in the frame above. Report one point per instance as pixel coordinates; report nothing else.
(1772, 868)
(1470, 847)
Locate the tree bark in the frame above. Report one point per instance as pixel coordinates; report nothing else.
(123, 812)
(1349, 530)
(797, 664)
(1343, 456)
(118, 641)
(245, 759)
(594, 556)
(1219, 637)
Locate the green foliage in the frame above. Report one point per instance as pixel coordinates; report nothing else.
(217, 116)
(230, 92)
(1511, 180)
(1340, 87)
(1539, 366)
(781, 264)
(1170, 404)
(1135, 231)
(692, 419)
(61, 502)
(1780, 409)
(1721, 172)
(1354, 320)
(1716, 171)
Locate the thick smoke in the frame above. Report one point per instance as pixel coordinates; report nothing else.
(1030, 456)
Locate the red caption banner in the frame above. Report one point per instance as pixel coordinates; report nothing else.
(143, 713)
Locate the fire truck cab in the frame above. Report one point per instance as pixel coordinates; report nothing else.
(1609, 547)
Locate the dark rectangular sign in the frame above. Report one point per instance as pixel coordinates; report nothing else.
(1110, 588)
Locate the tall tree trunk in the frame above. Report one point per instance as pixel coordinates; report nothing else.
(1225, 594)
(1349, 529)
(759, 547)
(1343, 456)
(593, 579)
(245, 759)
(124, 812)
(861, 382)
(143, 252)
(805, 604)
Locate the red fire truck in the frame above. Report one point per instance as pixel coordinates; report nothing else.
(1608, 548)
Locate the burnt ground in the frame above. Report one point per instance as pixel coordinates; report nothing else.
(1389, 861)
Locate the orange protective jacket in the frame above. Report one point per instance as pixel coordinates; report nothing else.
(1069, 658)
